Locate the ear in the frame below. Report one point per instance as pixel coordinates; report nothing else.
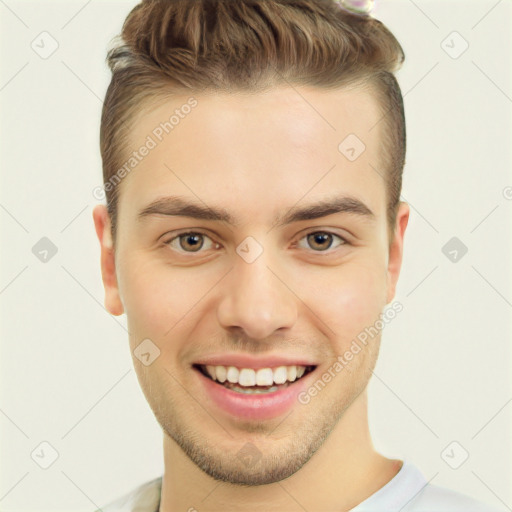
(396, 249)
(102, 224)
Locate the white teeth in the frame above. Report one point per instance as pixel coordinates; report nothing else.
(249, 377)
(221, 373)
(280, 375)
(264, 377)
(232, 374)
(211, 371)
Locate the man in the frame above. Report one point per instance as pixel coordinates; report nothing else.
(252, 156)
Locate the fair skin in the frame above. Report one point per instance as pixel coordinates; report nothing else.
(256, 156)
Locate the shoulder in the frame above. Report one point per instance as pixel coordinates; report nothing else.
(434, 498)
(409, 491)
(144, 498)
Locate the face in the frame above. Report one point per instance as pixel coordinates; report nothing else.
(281, 259)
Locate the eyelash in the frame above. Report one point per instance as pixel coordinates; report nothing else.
(327, 251)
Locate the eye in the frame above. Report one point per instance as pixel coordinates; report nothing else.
(322, 240)
(191, 241)
(194, 241)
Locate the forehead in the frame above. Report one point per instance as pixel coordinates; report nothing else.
(258, 152)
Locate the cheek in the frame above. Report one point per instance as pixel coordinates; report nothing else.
(158, 299)
(347, 299)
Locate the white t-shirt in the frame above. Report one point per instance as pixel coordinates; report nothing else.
(408, 491)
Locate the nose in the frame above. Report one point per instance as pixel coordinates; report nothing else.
(256, 300)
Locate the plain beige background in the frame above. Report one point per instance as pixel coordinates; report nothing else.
(66, 373)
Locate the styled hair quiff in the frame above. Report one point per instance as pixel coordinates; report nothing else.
(169, 47)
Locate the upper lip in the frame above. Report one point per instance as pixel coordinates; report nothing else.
(250, 361)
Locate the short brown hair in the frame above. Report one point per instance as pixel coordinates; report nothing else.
(187, 46)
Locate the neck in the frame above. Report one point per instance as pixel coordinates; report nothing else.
(343, 472)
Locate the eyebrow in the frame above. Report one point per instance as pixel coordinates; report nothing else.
(183, 207)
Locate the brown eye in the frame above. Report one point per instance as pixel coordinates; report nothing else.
(193, 241)
(190, 242)
(321, 241)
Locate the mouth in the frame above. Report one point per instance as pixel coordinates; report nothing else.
(251, 381)
(254, 394)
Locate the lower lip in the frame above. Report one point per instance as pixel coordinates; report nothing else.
(255, 406)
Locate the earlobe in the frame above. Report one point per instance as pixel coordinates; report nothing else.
(102, 225)
(396, 249)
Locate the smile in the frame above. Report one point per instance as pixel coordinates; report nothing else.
(251, 393)
(249, 380)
